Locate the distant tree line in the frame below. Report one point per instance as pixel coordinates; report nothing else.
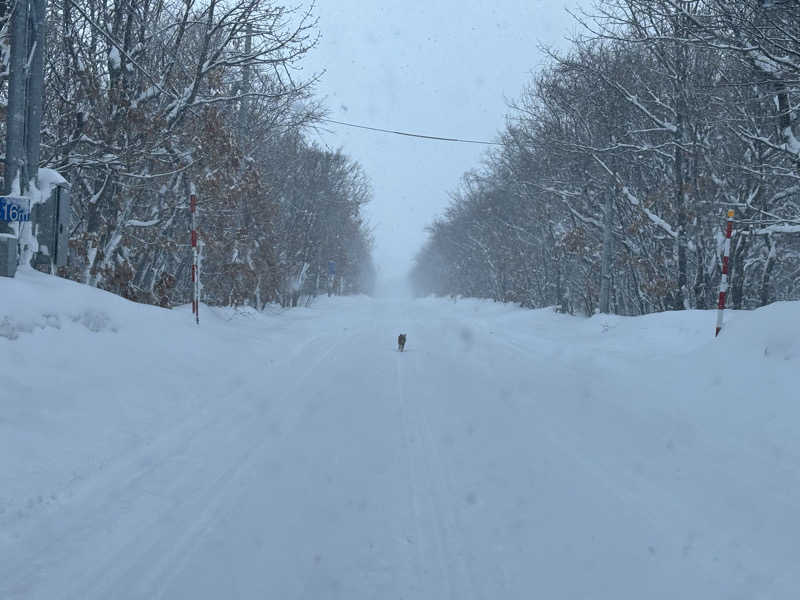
(621, 158)
(149, 101)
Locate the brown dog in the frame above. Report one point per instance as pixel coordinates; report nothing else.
(401, 342)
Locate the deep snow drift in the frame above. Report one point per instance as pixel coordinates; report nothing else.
(295, 454)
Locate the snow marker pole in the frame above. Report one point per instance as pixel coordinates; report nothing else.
(723, 282)
(195, 269)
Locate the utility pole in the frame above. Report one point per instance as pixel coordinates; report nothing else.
(24, 113)
(15, 171)
(37, 22)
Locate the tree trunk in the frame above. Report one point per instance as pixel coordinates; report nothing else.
(737, 272)
(680, 301)
(764, 292)
(608, 252)
(681, 116)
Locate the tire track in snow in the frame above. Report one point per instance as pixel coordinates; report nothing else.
(19, 518)
(137, 479)
(412, 436)
(177, 553)
(453, 524)
(425, 458)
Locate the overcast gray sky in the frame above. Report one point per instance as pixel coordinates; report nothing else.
(446, 68)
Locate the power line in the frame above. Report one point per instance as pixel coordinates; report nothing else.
(416, 135)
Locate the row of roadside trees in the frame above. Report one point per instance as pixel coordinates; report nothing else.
(621, 158)
(149, 101)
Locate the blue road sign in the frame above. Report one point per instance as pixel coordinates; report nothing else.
(331, 267)
(12, 209)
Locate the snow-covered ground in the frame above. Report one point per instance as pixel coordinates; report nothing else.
(508, 454)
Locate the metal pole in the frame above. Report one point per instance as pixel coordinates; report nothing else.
(723, 282)
(195, 270)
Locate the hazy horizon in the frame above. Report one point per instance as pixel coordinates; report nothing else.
(430, 69)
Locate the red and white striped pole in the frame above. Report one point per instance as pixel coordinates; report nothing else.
(723, 283)
(195, 267)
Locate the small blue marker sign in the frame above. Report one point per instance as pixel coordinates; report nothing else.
(12, 209)
(331, 267)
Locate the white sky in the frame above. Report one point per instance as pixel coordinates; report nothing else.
(446, 68)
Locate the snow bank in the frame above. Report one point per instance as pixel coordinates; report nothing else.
(88, 375)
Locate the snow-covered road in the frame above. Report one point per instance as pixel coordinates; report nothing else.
(506, 454)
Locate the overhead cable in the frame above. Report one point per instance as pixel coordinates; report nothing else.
(415, 135)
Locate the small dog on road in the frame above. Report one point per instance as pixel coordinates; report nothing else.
(401, 342)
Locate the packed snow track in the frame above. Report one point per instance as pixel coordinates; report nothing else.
(507, 454)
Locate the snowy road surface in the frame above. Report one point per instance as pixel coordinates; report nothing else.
(507, 454)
